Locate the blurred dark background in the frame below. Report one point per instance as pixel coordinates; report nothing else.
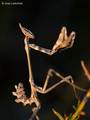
(45, 19)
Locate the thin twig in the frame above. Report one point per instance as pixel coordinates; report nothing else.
(85, 70)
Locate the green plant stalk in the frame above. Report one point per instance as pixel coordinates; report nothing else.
(81, 106)
(58, 115)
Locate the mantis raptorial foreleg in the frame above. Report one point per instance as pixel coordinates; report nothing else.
(63, 42)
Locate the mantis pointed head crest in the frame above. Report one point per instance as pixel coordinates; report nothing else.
(26, 32)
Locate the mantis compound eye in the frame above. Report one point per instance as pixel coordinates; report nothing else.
(26, 32)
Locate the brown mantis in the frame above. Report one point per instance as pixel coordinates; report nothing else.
(62, 42)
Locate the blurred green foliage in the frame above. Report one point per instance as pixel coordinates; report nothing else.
(78, 109)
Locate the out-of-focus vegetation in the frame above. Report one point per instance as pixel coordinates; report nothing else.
(78, 110)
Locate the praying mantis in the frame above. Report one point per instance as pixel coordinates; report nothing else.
(63, 42)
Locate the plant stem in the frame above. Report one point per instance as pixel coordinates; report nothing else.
(81, 106)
